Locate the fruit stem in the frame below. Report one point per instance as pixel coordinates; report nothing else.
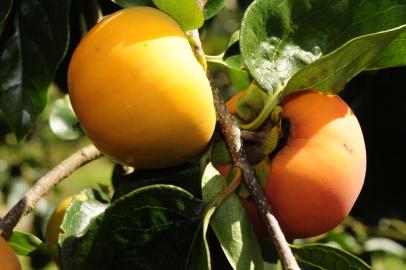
(27, 203)
(271, 102)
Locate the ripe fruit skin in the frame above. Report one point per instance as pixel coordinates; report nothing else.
(54, 224)
(139, 92)
(8, 259)
(316, 177)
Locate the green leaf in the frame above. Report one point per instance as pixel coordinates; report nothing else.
(278, 38)
(213, 7)
(318, 256)
(5, 8)
(24, 243)
(186, 12)
(200, 257)
(240, 78)
(63, 121)
(186, 176)
(331, 72)
(231, 225)
(393, 56)
(80, 214)
(29, 60)
(132, 3)
(219, 153)
(150, 226)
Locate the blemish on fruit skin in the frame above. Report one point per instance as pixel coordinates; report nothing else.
(349, 149)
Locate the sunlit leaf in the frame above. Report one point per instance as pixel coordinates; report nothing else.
(187, 12)
(231, 225)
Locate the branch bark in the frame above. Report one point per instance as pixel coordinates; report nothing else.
(26, 204)
(232, 134)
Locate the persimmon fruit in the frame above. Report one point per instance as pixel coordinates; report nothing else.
(8, 259)
(316, 177)
(139, 92)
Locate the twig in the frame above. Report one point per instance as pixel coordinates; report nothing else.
(26, 204)
(232, 134)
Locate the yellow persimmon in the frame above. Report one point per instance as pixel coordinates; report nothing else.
(139, 92)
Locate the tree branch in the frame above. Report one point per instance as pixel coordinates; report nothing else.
(232, 134)
(26, 204)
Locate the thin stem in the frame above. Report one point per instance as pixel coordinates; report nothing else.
(27, 203)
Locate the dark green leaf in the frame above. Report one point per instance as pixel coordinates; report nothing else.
(331, 72)
(213, 7)
(5, 8)
(186, 12)
(150, 226)
(219, 153)
(278, 38)
(231, 225)
(318, 256)
(132, 3)
(63, 121)
(186, 176)
(393, 56)
(29, 60)
(200, 258)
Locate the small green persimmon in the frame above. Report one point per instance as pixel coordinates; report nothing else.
(139, 92)
(315, 179)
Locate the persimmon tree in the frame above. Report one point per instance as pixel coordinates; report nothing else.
(145, 93)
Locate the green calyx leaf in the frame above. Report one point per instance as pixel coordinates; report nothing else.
(250, 105)
(261, 171)
(187, 13)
